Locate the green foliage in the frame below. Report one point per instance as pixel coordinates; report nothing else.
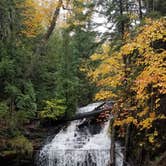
(21, 145)
(83, 45)
(3, 110)
(6, 66)
(46, 71)
(55, 76)
(155, 8)
(53, 109)
(12, 90)
(27, 101)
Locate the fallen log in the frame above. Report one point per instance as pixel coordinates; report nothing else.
(105, 106)
(93, 113)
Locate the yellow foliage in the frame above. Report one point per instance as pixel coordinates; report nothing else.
(152, 136)
(144, 112)
(146, 123)
(130, 120)
(103, 95)
(38, 15)
(151, 139)
(152, 115)
(155, 133)
(32, 18)
(135, 75)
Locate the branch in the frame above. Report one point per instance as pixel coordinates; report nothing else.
(53, 21)
(50, 29)
(64, 8)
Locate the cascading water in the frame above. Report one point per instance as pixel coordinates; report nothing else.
(80, 145)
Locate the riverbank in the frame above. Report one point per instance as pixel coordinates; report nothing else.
(37, 134)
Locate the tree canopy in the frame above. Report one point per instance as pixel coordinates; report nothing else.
(53, 59)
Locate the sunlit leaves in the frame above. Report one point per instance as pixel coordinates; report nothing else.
(54, 109)
(108, 74)
(37, 15)
(135, 77)
(32, 18)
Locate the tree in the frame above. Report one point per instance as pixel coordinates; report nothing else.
(143, 74)
(155, 8)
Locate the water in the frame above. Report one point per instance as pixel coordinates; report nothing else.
(80, 144)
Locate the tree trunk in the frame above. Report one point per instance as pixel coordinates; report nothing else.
(140, 10)
(127, 144)
(122, 24)
(112, 150)
(54, 21)
(50, 28)
(140, 156)
(39, 47)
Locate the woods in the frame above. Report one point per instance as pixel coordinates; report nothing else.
(58, 55)
(134, 76)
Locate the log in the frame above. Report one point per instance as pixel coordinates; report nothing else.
(78, 116)
(93, 113)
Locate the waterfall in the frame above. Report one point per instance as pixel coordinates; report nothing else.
(80, 145)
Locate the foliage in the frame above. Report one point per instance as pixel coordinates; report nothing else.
(128, 68)
(3, 110)
(135, 78)
(155, 8)
(37, 15)
(21, 145)
(27, 100)
(54, 109)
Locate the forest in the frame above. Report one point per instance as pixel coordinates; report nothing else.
(59, 55)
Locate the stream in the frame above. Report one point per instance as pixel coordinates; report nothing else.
(80, 144)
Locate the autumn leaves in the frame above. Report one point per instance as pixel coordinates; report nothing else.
(134, 76)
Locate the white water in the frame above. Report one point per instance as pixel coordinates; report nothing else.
(77, 146)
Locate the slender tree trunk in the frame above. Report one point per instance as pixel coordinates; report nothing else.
(122, 24)
(140, 10)
(39, 47)
(127, 145)
(50, 29)
(112, 151)
(54, 21)
(12, 106)
(140, 158)
(153, 7)
(67, 69)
